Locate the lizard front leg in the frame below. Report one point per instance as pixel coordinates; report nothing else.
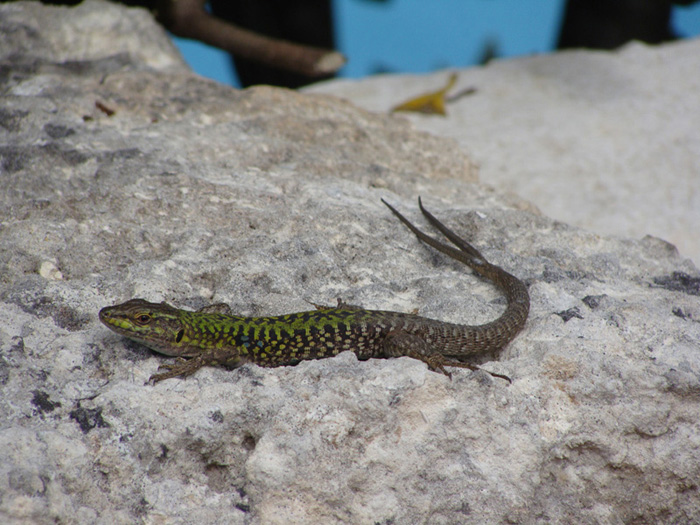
(181, 367)
(185, 367)
(342, 305)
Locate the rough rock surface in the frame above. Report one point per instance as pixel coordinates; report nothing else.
(609, 142)
(175, 188)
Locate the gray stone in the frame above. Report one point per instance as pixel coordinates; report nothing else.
(75, 36)
(183, 190)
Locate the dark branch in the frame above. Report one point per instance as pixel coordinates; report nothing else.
(188, 19)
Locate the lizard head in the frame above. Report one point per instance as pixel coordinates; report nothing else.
(158, 326)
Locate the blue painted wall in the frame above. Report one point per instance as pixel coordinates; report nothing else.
(424, 35)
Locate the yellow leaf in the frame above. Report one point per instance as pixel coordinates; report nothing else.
(430, 103)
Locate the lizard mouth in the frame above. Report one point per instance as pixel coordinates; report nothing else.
(117, 323)
(108, 319)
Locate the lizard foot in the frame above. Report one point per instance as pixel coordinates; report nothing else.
(181, 368)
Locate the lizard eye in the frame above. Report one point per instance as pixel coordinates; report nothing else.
(143, 318)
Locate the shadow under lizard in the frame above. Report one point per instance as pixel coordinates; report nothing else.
(212, 336)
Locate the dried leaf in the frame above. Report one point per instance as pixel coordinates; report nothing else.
(430, 103)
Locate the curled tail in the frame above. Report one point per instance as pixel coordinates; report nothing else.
(506, 327)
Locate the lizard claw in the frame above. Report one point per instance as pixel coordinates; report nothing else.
(436, 364)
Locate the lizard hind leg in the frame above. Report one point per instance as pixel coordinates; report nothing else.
(460, 364)
(399, 343)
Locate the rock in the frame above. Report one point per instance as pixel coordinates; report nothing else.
(128, 178)
(90, 31)
(607, 141)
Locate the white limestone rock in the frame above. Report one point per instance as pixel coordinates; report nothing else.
(607, 141)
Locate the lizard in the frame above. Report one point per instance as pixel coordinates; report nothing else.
(212, 336)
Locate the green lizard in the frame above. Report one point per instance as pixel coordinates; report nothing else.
(212, 336)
